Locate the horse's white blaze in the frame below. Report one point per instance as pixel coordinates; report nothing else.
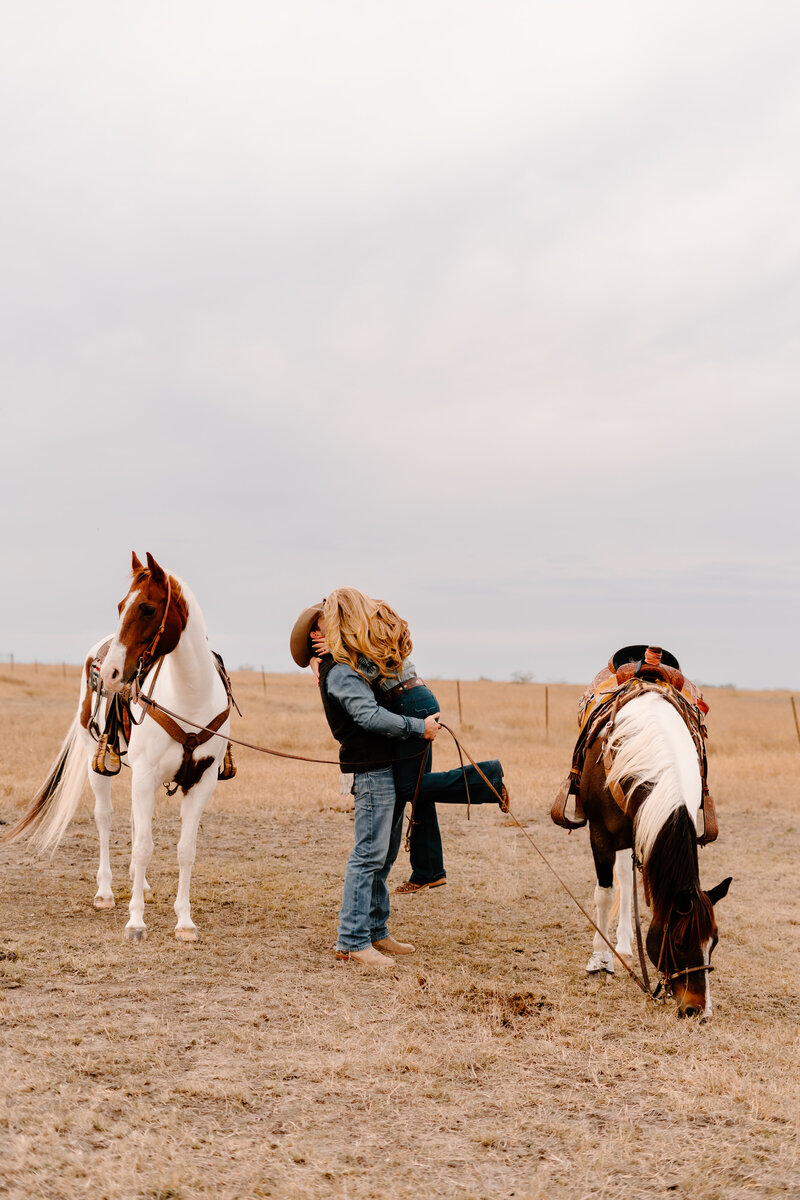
(115, 658)
(651, 744)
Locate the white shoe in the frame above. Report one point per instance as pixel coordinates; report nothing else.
(601, 960)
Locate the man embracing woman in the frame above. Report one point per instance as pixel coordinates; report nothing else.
(385, 719)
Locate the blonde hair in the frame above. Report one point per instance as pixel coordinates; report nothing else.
(357, 625)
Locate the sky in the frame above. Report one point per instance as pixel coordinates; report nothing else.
(487, 309)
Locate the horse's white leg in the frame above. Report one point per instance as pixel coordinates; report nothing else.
(146, 890)
(625, 920)
(192, 806)
(143, 801)
(101, 786)
(602, 959)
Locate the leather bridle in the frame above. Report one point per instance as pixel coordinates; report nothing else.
(149, 653)
(666, 955)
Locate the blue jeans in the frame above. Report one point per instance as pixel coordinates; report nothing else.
(378, 829)
(438, 787)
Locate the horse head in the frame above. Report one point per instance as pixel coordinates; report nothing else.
(680, 942)
(152, 617)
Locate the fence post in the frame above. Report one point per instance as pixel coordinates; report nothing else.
(263, 680)
(458, 693)
(796, 725)
(546, 712)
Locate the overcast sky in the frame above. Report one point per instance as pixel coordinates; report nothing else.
(489, 309)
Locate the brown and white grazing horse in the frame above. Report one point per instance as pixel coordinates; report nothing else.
(655, 766)
(159, 622)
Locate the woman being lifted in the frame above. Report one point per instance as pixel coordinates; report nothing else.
(359, 648)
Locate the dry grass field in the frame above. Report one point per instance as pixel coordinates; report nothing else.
(488, 1065)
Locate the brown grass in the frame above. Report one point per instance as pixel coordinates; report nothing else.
(487, 1066)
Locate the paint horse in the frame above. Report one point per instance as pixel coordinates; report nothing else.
(642, 784)
(160, 628)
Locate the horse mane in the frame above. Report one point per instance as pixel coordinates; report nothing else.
(672, 880)
(647, 755)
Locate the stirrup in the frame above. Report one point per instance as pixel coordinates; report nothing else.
(228, 768)
(106, 760)
(710, 826)
(558, 813)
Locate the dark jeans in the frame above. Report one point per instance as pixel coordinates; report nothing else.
(438, 787)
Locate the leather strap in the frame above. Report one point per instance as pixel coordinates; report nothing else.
(405, 687)
(417, 790)
(639, 939)
(558, 813)
(189, 741)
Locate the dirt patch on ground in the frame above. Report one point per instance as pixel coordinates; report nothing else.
(487, 1065)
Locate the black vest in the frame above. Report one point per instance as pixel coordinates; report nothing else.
(359, 750)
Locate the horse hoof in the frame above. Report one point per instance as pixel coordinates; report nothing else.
(186, 935)
(103, 902)
(600, 962)
(135, 935)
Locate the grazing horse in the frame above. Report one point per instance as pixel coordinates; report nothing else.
(160, 627)
(656, 774)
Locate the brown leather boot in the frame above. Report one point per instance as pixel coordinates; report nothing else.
(368, 957)
(390, 945)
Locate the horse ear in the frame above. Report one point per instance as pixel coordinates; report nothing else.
(135, 564)
(716, 893)
(155, 570)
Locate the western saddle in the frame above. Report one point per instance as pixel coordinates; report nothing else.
(630, 672)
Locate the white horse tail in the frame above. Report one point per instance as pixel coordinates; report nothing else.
(54, 805)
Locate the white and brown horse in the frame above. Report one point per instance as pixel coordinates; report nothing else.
(160, 625)
(656, 769)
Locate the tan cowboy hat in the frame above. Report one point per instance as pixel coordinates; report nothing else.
(298, 642)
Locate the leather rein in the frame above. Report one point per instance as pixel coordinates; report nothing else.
(666, 954)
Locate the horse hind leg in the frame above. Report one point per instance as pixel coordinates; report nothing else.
(602, 958)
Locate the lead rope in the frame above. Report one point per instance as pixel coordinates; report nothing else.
(492, 788)
(417, 790)
(332, 762)
(549, 866)
(639, 941)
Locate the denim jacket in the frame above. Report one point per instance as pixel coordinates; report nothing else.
(356, 697)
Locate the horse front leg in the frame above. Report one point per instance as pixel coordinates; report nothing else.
(602, 959)
(101, 787)
(143, 796)
(146, 889)
(192, 808)
(625, 920)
